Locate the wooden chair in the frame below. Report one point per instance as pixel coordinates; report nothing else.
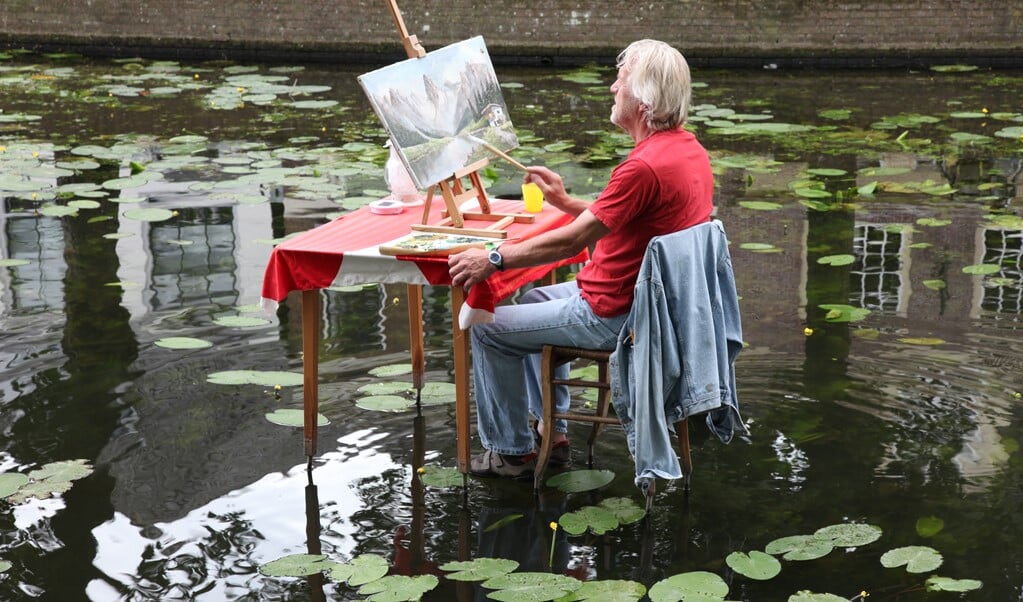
(554, 356)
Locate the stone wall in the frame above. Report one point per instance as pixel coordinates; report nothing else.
(815, 32)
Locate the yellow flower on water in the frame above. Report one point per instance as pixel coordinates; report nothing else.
(396, 301)
(241, 89)
(421, 470)
(864, 594)
(35, 154)
(277, 387)
(174, 213)
(983, 110)
(554, 526)
(807, 331)
(1017, 394)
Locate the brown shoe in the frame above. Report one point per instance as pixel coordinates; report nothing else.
(493, 464)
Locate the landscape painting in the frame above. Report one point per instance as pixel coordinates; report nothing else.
(438, 109)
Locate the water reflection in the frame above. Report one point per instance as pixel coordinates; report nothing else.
(908, 413)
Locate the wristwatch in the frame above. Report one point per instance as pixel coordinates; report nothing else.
(496, 259)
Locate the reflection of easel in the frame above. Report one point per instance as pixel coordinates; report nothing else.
(453, 189)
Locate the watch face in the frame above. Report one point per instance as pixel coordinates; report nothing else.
(496, 259)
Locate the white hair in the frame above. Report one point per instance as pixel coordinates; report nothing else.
(659, 78)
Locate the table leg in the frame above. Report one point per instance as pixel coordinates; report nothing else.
(415, 331)
(460, 342)
(310, 366)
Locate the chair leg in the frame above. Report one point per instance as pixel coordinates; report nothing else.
(603, 404)
(547, 386)
(682, 430)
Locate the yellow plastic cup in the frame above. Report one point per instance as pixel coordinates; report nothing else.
(532, 196)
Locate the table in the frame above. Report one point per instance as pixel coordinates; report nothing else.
(343, 252)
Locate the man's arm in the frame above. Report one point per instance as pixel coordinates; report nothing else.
(472, 266)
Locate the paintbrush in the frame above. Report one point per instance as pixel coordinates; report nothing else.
(500, 153)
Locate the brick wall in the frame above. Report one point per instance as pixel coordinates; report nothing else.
(529, 31)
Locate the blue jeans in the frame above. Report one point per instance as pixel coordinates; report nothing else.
(506, 360)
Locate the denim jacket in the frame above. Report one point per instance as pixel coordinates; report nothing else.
(675, 356)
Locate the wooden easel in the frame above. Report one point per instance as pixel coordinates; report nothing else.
(454, 189)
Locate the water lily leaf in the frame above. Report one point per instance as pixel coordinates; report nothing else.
(384, 403)
(849, 535)
(183, 343)
(760, 205)
(920, 245)
(314, 104)
(836, 260)
(812, 193)
(9, 263)
(294, 565)
(800, 547)
(626, 510)
(808, 596)
(935, 583)
(953, 68)
(386, 388)
(391, 370)
(57, 211)
(530, 587)
(479, 569)
(826, 171)
(437, 393)
(442, 476)
(916, 559)
(293, 417)
(982, 269)
(757, 246)
(934, 284)
(598, 520)
(867, 189)
(5, 566)
(241, 321)
(700, 585)
(1015, 132)
(835, 114)
(11, 482)
(929, 526)
(577, 481)
(149, 214)
(611, 590)
(844, 313)
(500, 523)
(922, 341)
(51, 479)
(933, 222)
(363, 569)
(268, 378)
(755, 565)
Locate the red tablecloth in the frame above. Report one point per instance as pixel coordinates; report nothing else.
(344, 252)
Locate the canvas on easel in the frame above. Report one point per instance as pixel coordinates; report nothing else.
(444, 111)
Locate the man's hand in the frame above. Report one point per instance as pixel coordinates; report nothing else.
(469, 267)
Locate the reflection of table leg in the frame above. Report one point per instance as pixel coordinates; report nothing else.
(460, 342)
(310, 366)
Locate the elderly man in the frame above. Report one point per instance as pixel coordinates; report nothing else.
(663, 186)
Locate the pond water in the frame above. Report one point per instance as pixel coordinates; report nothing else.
(876, 235)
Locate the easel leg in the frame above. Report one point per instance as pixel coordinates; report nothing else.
(310, 366)
(460, 342)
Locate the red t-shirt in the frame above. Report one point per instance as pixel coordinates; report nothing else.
(663, 186)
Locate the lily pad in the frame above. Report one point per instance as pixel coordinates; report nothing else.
(935, 583)
(698, 585)
(760, 205)
(530, 587)
(502, 522)
(149, 214)
(386, 388)
(755, 565)
(293, 417)
(611, 590)
(294, 565)
(366, 568)
(626, 510)
(241, 321)
(479, 569)
(934, 284)
(267, 378)
(5, 566)
(441, 476)
(183, 343)
(10, 482)
(929, 526)
(384, 403)
(51, 479)
(933, 222)
(9, 263)
(593, 518)
(836, 260)
(391, 370)
(844, 313)
(982, 269)
(922, 341)
(577, 481)
(808, 596)
(800, 547)
(849, 535)
(916, 559)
